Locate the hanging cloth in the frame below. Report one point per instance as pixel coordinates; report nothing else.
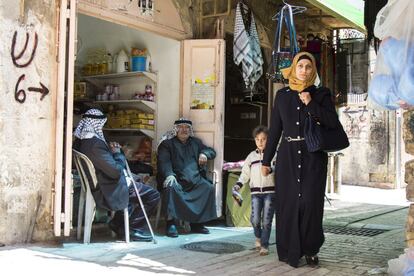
(246, 47)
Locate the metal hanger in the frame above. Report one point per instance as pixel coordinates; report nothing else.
(294, 9)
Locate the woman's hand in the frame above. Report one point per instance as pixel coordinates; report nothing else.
(305, 97)
(266, 170)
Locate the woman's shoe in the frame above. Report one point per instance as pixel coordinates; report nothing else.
(285, 260)
(312, 260)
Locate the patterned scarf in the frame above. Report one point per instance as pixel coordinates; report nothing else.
(246, 46)
(290, 74)
(172, 133)
(91, 125)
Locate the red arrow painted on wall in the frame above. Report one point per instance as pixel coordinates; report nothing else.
(42, 90)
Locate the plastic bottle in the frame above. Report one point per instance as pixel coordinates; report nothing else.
(122, 62)
(109, 62)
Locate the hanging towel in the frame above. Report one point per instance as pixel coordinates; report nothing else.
(246, 48)
(256, 53)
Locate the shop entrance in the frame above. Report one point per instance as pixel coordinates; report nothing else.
(142, 98)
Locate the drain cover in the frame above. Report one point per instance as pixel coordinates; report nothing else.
(214, 247)
(340, 230)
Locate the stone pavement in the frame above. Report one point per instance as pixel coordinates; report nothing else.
(340, 255)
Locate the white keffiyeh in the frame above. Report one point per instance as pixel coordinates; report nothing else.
(172, 133)
(91, 125)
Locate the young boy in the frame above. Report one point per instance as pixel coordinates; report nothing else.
(262, 189)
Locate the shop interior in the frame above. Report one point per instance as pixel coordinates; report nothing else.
(133, 76)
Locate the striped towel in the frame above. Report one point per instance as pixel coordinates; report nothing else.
(256, 53)
(246, 49)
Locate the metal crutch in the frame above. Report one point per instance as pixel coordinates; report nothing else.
(128, 175)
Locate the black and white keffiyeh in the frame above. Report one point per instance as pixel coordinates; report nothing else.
(91, 125)
(246, 47)
(172, 133)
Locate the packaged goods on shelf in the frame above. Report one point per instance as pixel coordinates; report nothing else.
(148, 116)
(149, 127)
(147, 122)
(114, 122)
(80, 90)
(143, 121)
(142, 126)
(130, 111)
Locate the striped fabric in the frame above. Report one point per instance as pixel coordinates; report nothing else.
(251, 173)
(246, 48)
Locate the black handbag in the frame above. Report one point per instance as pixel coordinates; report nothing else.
(320, 138)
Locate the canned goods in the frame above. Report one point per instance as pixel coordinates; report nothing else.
(108, 89)
(115, 91)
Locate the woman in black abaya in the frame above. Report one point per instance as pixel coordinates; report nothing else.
(300, 175)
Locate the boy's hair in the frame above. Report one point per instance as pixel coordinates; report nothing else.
(259, 129)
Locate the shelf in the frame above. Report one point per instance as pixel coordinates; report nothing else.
(146, 106)
(150, 75)
(147, 132)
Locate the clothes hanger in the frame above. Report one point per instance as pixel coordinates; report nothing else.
(294, 9)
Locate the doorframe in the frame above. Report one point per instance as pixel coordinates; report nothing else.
(65, 78)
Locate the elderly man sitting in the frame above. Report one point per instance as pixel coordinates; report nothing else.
(181, 166)
(112, 192)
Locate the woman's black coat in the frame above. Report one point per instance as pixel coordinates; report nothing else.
(300, 175)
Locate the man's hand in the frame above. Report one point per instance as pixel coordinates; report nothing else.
(202, 159)
(170, 181)
(236, 188)
(115, 147)
(266, 170)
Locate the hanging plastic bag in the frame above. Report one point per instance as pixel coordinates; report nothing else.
(392, 84)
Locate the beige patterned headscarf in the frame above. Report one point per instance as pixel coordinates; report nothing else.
(290, 73)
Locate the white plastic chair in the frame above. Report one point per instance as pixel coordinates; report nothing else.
(85, 168)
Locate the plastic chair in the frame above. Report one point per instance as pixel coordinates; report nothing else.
(87, 174)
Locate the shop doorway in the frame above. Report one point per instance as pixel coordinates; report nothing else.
(141, 102)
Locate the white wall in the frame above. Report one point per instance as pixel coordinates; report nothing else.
(27, 128)
(165, 56)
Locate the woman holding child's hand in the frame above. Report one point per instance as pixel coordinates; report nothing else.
(300, 175)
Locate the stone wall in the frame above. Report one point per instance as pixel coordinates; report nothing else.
(27, 82)
(370, 136)
(408, 136)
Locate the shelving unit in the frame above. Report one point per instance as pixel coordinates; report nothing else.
(146, 106)
(147, 132)
(97, 79)
(130, 83)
